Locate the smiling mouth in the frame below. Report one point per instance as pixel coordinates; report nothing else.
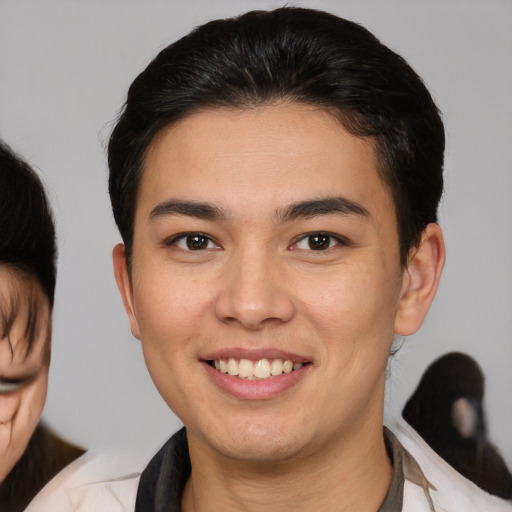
(255, 370)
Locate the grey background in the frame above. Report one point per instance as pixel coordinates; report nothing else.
(65, 69)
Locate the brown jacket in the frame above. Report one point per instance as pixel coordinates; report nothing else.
(45, 456)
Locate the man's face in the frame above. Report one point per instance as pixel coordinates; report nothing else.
(267, 236)
(23, 377)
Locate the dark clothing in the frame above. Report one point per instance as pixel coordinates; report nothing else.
(162, 482)
(45, 456)
(476, 459)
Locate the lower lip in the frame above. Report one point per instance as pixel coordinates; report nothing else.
(256, 389)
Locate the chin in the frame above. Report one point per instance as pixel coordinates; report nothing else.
(261, 451)
(258, 442)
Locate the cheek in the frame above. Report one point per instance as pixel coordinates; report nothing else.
(16, 432)
(355, 309)
(9, 405)
(32, 404)
(170, 313)
(169, 310)
(353, 294)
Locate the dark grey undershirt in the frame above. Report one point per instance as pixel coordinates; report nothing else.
(162, 482)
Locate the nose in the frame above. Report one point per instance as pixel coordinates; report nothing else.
(253, 292)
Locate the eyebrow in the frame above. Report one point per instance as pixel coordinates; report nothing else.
(206, 211)
(323, 206)
(294, 211)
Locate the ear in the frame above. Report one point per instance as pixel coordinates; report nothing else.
(420, 280)
(124, 284)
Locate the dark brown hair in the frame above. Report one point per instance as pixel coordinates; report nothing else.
(27, 244)
(298, 55)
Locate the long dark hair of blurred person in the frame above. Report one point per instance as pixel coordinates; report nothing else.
(30, 454)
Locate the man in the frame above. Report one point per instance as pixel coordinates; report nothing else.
(275, 178)
(30, 454)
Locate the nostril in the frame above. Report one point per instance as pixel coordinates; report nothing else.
(253, 316)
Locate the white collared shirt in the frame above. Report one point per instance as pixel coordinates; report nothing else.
(98, 483)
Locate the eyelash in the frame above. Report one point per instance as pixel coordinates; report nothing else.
(18, 382)
(332, 240)
(185, 237)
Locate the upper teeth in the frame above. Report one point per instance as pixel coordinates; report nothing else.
(261, 369)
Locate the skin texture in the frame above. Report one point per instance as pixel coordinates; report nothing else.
(256, 286)
(21, 409)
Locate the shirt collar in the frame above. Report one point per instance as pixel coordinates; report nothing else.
(162, 482)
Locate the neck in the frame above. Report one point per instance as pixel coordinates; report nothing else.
(351, 475)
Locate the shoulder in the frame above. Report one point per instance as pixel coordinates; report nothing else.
(95, 481)
(59, 451)
(450, 491)
(45, 455)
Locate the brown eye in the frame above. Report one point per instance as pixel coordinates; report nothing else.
(197, 242)
(319, 242)
(192, 242)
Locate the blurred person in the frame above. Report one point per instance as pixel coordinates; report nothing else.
(446, 409)
(30, 454)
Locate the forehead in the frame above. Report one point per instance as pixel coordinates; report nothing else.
(285, 152)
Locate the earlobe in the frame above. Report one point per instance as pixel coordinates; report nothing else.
(420, 281)
(124, 284)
